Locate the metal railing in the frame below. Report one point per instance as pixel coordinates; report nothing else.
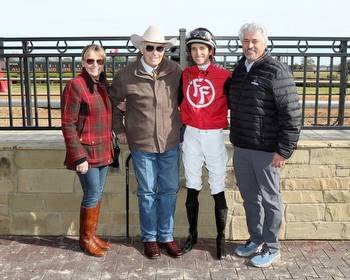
(34, 71)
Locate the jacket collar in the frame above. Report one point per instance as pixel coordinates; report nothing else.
(102, 81)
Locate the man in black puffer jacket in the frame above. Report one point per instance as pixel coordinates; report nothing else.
(265, 128)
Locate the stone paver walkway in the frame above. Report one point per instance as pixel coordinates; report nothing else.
(54, 258)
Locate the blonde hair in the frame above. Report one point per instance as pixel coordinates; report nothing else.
(93, 48)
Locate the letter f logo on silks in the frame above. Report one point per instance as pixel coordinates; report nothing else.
(200, 93)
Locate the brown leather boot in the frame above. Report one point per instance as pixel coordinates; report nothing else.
(86, 232)
(103, 244)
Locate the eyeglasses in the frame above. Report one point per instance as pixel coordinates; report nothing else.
(201, 34)
(92, 61)
(150, 48)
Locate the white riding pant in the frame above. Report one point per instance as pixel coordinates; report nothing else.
(204, 146)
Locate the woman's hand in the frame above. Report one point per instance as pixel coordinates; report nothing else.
(83, 167)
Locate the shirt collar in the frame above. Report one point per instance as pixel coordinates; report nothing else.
(148, 68)
(203, 67)
(248, 65)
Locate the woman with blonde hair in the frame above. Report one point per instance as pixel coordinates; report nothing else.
(86, 127)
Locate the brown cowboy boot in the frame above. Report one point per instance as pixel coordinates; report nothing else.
(103, 244)
(86, 232)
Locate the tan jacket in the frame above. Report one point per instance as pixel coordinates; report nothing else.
(152, 122)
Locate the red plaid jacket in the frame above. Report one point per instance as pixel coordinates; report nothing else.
(86, 122)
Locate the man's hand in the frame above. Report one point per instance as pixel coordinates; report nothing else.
(122, 138)
(278, 161)
(83, 167)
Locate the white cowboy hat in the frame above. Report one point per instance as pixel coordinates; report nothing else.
(152, 34)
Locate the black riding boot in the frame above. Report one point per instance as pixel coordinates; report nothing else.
(192, 207)
(220, 218)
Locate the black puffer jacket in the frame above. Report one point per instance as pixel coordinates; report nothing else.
(265, 112)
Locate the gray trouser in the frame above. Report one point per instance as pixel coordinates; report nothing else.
(258, 183)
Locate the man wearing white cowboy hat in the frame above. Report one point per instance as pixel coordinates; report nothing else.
(152, 130)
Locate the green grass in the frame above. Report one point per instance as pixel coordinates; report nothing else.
(298, 75)
(321, 90)
(40, 88)
(311, 75)
(55, 89)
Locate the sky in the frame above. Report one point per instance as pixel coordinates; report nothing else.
(47, 18)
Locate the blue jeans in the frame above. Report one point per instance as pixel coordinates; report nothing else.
(157, 176)
(93, 183)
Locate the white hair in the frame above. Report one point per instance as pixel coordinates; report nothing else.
(253, 27)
